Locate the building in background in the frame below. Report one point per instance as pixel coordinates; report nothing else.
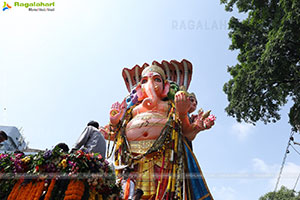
(15, 140)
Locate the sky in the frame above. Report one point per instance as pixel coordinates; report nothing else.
(60, 69)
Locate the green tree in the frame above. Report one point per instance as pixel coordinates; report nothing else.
(267, 74)
(282, 194)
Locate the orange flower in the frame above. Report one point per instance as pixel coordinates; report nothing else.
(39, 190)
(50, 188)
(75, 190)
(14, 192)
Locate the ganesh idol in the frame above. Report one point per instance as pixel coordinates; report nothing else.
(152, 130)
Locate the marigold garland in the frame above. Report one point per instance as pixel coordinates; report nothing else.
(39, 189)
(50, 188)
(14, 192)
(26, 191)
(75, 190)
(19, 192)
(33, 190)
(92, 194)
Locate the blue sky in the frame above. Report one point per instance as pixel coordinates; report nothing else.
(60, 69)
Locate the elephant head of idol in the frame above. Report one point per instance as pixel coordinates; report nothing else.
(153, 87)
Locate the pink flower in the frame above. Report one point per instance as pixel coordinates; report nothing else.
(211, 117)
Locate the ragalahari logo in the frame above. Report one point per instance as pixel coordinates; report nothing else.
(6, 6)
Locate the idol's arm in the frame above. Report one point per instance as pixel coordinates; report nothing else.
(190, 129)
(116, 112)
(108, 135)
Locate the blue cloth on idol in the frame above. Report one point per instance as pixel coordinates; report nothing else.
(198, 185)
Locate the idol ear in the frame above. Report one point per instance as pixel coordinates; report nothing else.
(139, 92)
(166, 89)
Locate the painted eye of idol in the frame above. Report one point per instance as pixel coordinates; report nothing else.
(157, 79)
(144, 80)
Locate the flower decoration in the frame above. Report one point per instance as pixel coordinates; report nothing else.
(212, 117)
(63, 163)
(55, 164)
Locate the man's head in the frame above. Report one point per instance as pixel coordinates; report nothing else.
(3, 136)
(62, 146)
(126, 172)
(94, 124)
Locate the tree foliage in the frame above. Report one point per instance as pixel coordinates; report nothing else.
(267, 74)
(282, 194)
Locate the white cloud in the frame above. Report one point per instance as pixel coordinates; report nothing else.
(260, 166)
(242, 130)
(224, 193)
(288, 177)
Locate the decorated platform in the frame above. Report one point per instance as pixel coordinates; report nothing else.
(55, 175)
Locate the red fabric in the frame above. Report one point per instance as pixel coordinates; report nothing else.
(127, 189)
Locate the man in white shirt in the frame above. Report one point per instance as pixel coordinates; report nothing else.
(92, 139)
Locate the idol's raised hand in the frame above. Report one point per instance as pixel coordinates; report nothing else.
(203, 122)
(182, 103)
(116, 112)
